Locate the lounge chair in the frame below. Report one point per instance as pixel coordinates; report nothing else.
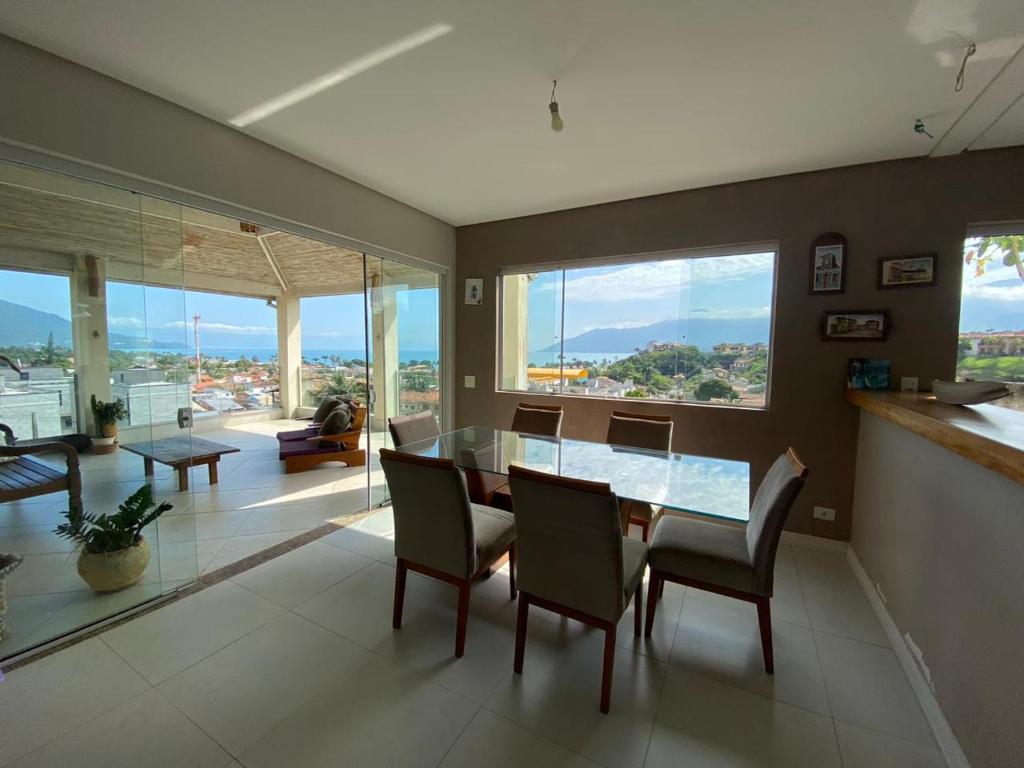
(306, 453)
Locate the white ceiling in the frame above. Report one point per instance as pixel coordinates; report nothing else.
(657, 95)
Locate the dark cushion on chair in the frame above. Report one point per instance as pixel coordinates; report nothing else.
(296, 434)
(703, 551)
(323, 410)
(303, 448)
(338, 421)
(494, 531)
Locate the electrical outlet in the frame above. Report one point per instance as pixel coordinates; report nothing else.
(469, 382)
(825, 513)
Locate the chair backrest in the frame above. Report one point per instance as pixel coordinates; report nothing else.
(433, 516)
(538, 419)
(636, 430)
(772, 502)
(568, 542)
(412, 429)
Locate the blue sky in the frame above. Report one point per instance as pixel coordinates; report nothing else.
(644, 293)
(165, 314)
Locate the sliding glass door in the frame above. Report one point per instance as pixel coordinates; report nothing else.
(404, 322)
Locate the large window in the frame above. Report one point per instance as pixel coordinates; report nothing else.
(690, 327)
(35, 335)
(992, 312)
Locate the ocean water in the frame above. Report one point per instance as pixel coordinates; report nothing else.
(404, 355)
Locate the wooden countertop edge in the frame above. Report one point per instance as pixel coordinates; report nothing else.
(1001, 457)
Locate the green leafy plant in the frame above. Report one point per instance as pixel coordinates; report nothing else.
(111, 533)
(1009, 249)
(108, 413)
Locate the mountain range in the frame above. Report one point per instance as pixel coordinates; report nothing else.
(24, 326)
(700, 332)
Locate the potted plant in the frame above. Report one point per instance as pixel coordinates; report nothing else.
(8, 563)
(114, 553)
(106, 416)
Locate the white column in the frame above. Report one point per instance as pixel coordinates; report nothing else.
(289, 351)
(384, 342)
(89, 337)
(513, 323)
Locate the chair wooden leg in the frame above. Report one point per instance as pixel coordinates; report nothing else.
(463, 620)
(400, 571)
(521, 618)
(645, 528)
(638, 605)
(661, 589)
(609, 668)
(764, 620)
(512, 571)
(653, 590)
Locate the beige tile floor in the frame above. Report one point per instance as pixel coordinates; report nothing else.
(255, 505)
(295, 663)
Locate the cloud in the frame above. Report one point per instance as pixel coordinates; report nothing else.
(662, 279)
(732, 313)
(249, 330)
(1005, 293)
(622, 324)
(124, 322)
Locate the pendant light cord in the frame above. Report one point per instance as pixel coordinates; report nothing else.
(971, 50)
(554, 84)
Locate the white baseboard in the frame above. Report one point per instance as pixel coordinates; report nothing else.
(813, 542)
(947, 741)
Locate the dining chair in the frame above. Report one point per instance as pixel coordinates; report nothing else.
(537, 419)
(637, 430)
(440, 533)
(573, 559)
(734, 562)
(411, 429)
(533, 419)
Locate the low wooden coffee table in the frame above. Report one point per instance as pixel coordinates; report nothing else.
(181, 452)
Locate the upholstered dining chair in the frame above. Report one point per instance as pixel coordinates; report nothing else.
(532, 419)
(412, 429)
(734, 562)
(440, 533)
(573, 559)
(537, 419)
(637, 430)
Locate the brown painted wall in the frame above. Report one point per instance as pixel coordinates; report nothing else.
(884, 209)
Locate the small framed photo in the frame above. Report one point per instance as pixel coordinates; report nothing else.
(856, 325)
(828, 263)
(906, 271)
(474, 290)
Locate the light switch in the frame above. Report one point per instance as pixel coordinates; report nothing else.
(470, 382)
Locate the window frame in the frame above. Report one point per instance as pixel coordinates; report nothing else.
(740, 249)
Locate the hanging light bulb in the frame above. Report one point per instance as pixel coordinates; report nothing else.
(556, 119)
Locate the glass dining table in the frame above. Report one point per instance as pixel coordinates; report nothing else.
(698, 485)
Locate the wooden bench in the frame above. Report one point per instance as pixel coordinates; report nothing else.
(22, 477)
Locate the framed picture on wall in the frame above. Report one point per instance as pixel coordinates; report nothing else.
(906, 271)
(856, 325)
(474, 290)
(828, 263)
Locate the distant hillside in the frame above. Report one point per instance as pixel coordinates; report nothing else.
(24, 326)
(702, 332)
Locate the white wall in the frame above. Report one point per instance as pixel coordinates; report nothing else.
(58, 107)
(942, 538)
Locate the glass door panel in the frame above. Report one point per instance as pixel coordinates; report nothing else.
(90, 267)
(405, 332)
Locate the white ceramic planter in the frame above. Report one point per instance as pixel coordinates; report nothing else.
(112, 571)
